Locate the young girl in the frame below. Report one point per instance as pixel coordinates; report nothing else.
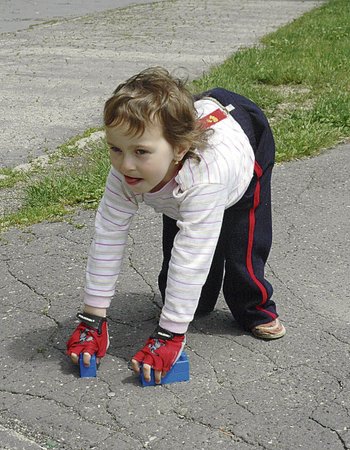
(206, 166)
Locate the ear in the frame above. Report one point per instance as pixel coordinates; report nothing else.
(179, 153)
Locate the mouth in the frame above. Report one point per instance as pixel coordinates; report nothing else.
(131, 180)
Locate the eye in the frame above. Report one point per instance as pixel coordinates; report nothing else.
(115, 149)
(141, 151)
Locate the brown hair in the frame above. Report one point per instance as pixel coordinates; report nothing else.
(152, 96)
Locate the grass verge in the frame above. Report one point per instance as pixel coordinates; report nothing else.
(299, 75)
(78, 180)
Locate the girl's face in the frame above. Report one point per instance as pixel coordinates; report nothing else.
(146, 161)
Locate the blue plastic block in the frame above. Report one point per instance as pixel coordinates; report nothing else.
(87, 372)
(179, 372)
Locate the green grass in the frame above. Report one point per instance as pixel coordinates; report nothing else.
(67, 150)
(11, 177)
(299, 75)
(55, 194)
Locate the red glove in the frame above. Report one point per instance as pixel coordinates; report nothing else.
(90, 336)
(162, 350)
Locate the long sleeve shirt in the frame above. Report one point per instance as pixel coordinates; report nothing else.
(196, 198)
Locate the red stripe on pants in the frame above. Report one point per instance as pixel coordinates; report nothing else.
(264, 295)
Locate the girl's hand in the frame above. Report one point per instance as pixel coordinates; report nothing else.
(161, 352)
(90, 337)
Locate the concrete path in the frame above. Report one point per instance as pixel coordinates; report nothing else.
(55, 77)
(244, 394)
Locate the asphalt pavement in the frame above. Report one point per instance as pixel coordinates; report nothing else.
(243, 394)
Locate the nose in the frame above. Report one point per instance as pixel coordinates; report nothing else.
(127, 164)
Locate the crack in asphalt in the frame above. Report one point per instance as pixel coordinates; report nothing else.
(68, 239)
(143, 278)
(337, 338)
(207, 361)
(241, 344)
(39, 294)
(43, 397)
(75, 410)
(301, 300)
(341, 440)
(229, 433)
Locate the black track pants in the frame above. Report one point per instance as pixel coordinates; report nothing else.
(246, 234)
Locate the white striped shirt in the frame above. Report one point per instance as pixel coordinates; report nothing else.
(197, 198)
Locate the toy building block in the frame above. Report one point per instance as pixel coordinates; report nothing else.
(179, 372)
(87, 372)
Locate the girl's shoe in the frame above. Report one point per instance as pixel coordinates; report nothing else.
(270, 330)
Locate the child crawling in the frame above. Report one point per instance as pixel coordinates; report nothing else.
(205, 163)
